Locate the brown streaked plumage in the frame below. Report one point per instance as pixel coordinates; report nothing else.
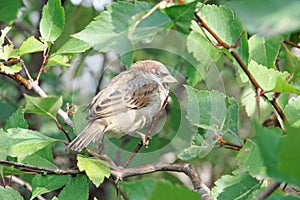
(127, 104)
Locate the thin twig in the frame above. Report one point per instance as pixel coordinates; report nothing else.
(26, 70)
(38, 169)
(268, 191)
(147, 137)
(255, 84)
(291, 43)
(45, 60)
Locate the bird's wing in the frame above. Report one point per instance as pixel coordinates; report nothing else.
(120, 96)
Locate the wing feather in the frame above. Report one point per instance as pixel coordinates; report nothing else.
(118, 98)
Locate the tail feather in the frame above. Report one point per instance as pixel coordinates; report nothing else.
(92, 132)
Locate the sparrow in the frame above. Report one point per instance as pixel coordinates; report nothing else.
(127, 104)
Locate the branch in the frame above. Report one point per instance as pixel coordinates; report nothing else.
(268, 191)
(188, 169)
(275, 105)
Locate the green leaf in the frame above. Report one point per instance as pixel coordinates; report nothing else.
(52, 21)
(10, 170)
(32, 45)
(139, 190)
(150, 189)
(58, 60)
(198, 148)
(182, 16)
(41, 158)
(6, 52)
(114, 24)
(166, 190)
(275, 150)
(270, 17)
(292, 112)
(250, 160)
(122, 20)
(3, 34)
(43, 184)
(9, 193)
(43, 106)
(73, 45)
(237, 187)
(149, 26)
(289, 155)
(214, 112)
(271, 79)
(263, 50)
(206, 56)
(269, 141)
(78, 187)
(11, 69)
(292, 63)
(125, 51)
(95, 169)
(23, 142)
(9, 10)
(100, 28)
(16, 120)
(228, 27)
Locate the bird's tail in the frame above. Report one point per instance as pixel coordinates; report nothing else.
(94, 131)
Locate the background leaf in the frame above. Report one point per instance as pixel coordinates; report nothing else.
(9, 10)
(271, 16)
(52, 21)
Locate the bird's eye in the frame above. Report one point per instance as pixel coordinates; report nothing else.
(157, 73)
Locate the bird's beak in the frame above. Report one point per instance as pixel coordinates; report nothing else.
(169, 79)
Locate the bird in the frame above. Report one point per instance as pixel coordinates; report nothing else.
(127, 104)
